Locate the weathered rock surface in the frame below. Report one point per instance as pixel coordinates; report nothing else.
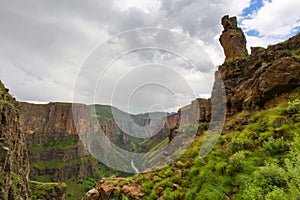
(14, 165)
(198, 111)
(55, 148)
(232, 39)
(112, 189)
(252, 81)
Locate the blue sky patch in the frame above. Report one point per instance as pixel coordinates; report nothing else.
(254, 6)
(295, 31)
(253, 33)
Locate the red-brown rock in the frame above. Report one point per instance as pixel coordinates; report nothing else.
(232, 39)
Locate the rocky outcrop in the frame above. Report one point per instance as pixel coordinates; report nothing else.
(55, 148)
(252, 81)
(232, 39)
(198, 111)
(115, 188)
(14, 165)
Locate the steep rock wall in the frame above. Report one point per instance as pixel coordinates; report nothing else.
(55, 148)
(250, 82)
(14, 165)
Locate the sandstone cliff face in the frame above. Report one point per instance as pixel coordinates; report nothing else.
(232, 39)
(252, 81)
(199, 111)
(55, 148)
(14, 165)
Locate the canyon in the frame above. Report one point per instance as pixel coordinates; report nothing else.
(41, 143)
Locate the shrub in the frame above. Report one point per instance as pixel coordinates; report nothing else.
(124, 197)
(263, 64)
(147, 186)
(293, 106)
(251, 192)
(168, 172)
(277, 194)
(237, 161)
(238, 144)
(269, 176)
(275, 146)
(221, 167)
(293, 169)
(211, 192)
(169, 193)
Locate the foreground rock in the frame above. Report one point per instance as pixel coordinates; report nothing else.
(115, 188)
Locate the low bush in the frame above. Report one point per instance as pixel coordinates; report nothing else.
(269, 176)
(275, 146)
(238, 144)
(277, 194)
(237, 162)
(293, 106)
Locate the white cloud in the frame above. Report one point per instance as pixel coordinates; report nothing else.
(145, 5)
(43, 44)
(274, 22)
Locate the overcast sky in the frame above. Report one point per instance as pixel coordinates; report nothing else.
(47, 47)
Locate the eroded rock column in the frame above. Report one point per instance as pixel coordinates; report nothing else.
(232, 39)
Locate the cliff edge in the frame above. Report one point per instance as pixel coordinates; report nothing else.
(14, 164)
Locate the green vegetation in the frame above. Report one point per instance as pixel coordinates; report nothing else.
(46, 190)
(57, 163)
(258, 159)
(103, 113)
(263, 64)
(43, 178)
(296, 53)
(58, 144)
(77, 189)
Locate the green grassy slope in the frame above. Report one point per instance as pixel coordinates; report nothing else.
(257, 157)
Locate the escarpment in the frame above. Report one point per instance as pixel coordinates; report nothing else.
(55, 148)
(199, 111)
(250, 82)
(14, 165)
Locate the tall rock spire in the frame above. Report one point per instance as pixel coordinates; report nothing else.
(232, 39)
